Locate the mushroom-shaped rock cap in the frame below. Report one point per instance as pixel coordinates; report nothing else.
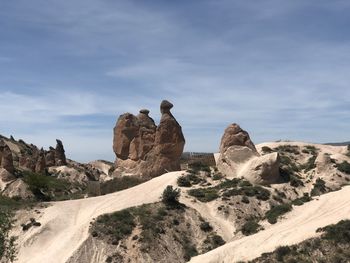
(144, 111)
(165, 106)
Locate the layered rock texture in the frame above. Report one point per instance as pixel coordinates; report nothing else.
(239, 158)
(142, 148)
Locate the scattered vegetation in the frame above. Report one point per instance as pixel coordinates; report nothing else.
(206, 227)
(310, 164)
(250, 227)
(301, 200)
(288, 149)
(204, 194)
(170, 196)
(319, 187)
(309, 149)
(230, 188)
(332, 246)
(344, 167)
(48, 188)
(266, 149)
(339, 233)
(198, 166)
(189, 179)
(8, 250)
(120, 183)
(275, 212)
(257, 191)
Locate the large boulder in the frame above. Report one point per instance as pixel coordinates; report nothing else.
(144, 149)
(234, 135)
(262, 170)
(239, 158)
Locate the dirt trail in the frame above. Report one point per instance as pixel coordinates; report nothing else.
(298, 225)
(65, 225)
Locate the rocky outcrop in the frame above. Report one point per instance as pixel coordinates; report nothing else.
(6, 159)
(234, 135)
(60, 156)
(239, 158)
(40, 165)
(50, 157)
(32, 159)
(143, 148)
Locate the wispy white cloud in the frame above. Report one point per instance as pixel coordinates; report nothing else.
(277, 69)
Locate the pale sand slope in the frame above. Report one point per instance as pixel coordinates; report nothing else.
(298, 225)
(65, 224)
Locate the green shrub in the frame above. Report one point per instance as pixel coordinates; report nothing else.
(266, 149)
(340, 232)
(276, 211)
(301, 200)
(281, 252)
(229, 183)
(295, 181)
(116, 225)
(198, 166)
(250, 227)
(245, 200)
(190, 250)
(44, 187)
(184, 181)
(217, 241)
(319, 187)
(344, 167)
(170, 196)
(257, 191)
(217, 176)
(288, 149)
(310, 164)
(204, 194)
(206, 227)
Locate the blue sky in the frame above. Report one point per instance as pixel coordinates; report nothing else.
(281, 69)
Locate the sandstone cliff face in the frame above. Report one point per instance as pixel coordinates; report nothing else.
(144, 149)
(239, 158)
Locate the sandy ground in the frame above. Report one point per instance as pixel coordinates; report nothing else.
(298, 225)
(65, 224)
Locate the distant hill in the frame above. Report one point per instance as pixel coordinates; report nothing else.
(338, 143)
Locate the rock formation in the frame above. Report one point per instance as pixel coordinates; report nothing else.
(32, 159)
(239, 158)
(6, 160)
(60, 157)
(50, 157)
(40, 165)
(6, 163)
(143, 148)
(235, 136)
